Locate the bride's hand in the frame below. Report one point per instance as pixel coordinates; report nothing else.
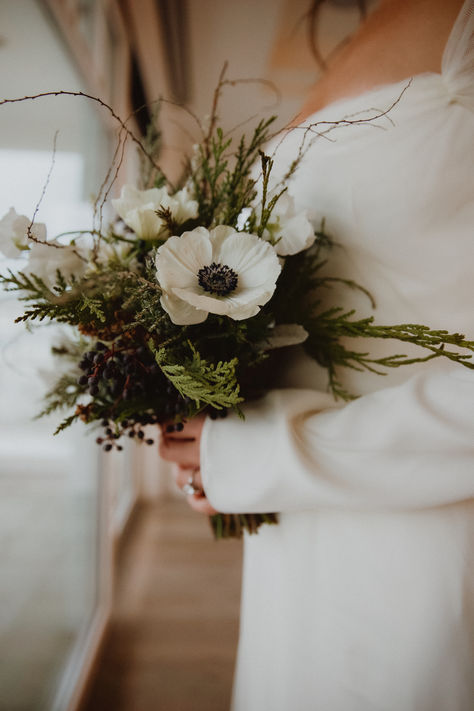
(198, 500)
(182, 447)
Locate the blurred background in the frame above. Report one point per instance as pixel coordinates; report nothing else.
(113, 594)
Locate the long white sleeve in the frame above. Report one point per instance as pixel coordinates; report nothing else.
(405, 447)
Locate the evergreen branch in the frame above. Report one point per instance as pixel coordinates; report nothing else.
(328, 329)
(201, 381)
(67, 422)
(94, 306)
(266, 208)
(64, 394)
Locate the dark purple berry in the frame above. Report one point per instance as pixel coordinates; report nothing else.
(150, 441)
(107, 447)
(179, 427)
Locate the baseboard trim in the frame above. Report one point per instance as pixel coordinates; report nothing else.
(78, 673)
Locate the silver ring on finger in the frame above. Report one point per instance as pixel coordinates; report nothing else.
(189, 489)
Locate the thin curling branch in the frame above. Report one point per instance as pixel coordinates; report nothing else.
(29, 229)
(357, 121)
(114, 115)
(43, 193)
(312, 129)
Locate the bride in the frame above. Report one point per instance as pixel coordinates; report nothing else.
(362, 597)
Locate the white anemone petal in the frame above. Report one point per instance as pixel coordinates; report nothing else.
(232, 305)
(180, 312)
(179, 259)
(219, 236)
(183, 207)
(144, 222)
(285, 334)
(296, 234)
(252, 258)
(131, 198)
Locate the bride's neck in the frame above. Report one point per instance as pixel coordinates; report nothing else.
(399, 39)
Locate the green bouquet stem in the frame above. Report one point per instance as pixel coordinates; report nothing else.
(233, 525)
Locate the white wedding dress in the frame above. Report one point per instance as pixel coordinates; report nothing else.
(362, 598)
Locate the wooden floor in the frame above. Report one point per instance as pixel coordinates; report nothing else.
(173, 636)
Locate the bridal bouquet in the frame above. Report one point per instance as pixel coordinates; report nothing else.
(182, 304)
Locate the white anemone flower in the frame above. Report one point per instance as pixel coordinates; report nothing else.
(289, 229)
(138, 209)
(14, 233)
(220, 271)
(45, 260)
(284, 335)
(182, 206)
(106, 252)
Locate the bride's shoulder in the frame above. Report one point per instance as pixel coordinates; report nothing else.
(399, 39)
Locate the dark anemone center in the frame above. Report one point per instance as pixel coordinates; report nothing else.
(218, 279)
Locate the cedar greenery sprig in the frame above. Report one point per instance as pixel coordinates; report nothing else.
(222, 181)
(203, 382)
(326, 345)
(301, 297)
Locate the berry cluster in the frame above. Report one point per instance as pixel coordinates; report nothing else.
(123, 378)
(111, 435)
(119, 372)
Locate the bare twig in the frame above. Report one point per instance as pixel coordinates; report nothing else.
(257, 80)
(120, 147)
(43, 193)
(103, 185)
(348, 120)
(178, 105)
(29, 229)
(96, 99)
